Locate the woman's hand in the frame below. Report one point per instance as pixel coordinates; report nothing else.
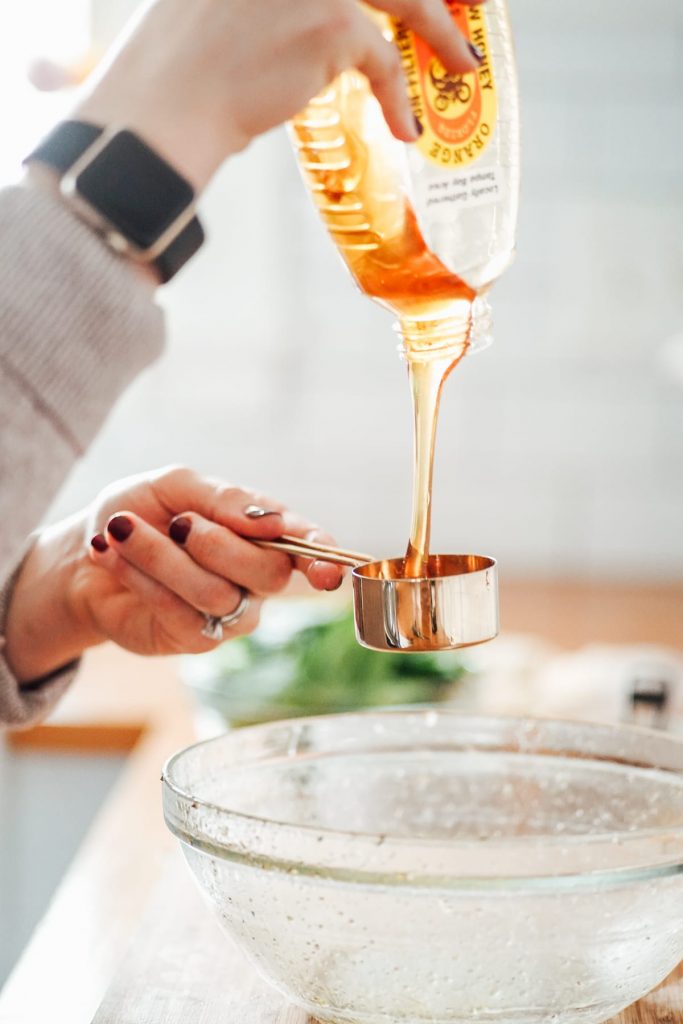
(144, 566)
(200, 79)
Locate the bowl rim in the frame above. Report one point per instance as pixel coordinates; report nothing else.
(367, 857)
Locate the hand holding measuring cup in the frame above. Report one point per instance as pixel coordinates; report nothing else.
(157, 564)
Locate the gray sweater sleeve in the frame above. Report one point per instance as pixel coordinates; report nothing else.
(77, 324)
(23, 706)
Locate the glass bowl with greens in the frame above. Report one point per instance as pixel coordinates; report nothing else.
(304, 660)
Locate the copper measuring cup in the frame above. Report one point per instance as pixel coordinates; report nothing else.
(454, 605)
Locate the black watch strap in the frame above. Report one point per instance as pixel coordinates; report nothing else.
(67, 142)
(181, 249)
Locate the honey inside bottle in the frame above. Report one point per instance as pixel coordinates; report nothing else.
(358, 191)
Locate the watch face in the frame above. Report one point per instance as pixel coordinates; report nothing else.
(136, 190)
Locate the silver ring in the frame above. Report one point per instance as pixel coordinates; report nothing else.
(215, 624)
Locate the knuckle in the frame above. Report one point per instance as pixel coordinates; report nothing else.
(177, 473)
(198, 542)
(229, 493)
(340, 17)
(389, 69)
(206, 545)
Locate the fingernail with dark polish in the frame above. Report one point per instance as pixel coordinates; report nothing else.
(99, 543)
(418, 126)
(476, 52)
(256, 512)
(179, 529)
(120, 527)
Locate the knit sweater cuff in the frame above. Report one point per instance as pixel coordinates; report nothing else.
(119, 328)
(24, 705)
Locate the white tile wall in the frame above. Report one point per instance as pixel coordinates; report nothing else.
(561, 448)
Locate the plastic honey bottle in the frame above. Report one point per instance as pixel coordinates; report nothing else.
(425, 228)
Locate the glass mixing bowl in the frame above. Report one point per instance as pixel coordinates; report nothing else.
(404, 866)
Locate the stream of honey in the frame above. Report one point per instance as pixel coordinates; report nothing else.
(427, 378)
(365, 210)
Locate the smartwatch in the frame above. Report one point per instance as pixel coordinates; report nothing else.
(122, 188)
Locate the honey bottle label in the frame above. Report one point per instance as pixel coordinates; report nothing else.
(457, 113)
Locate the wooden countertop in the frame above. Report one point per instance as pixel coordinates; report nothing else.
(122, 703)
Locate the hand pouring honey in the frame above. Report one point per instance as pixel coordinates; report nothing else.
(425, 229)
